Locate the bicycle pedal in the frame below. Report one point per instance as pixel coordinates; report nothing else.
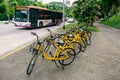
(51, 54)
(55, 63)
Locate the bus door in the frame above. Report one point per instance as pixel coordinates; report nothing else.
(33, 17)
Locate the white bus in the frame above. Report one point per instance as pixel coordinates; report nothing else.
(33, 17)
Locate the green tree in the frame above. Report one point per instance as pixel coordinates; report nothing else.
(10, 8)
(115, 6)
(2, 6)
(37, 4)
(68, 11)
(3, 10)
(86, 11)
(57, 6)
(53, 6)
(23, 2)
(106, 7)
(109, 7)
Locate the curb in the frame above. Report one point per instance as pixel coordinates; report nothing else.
(12, 51)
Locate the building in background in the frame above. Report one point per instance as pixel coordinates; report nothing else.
(67, 3)
(40, 1)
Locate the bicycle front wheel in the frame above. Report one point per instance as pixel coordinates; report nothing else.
(89, 33)
(83, 44)
(32, 63)
(88, 40)
(71, 56)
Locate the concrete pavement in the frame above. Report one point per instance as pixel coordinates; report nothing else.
(15, 40)
(100, 61)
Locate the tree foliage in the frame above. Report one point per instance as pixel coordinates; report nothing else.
(23, 2)
(7, 7)
(86, 11)
(58, 6)
(3, 9)
(110, 7)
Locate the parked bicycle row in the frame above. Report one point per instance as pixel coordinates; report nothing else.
(59, 48)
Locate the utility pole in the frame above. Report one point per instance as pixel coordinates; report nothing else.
(63, 16)
(8, 2)
(30, 2)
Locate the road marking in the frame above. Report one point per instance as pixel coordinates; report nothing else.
(13, 51)
(17, 49)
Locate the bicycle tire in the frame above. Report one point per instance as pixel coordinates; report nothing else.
(89, 33)
(83, 45)
(32, 47)
(88, 40)
(84, 42)
(32, 63)
(77, 47)
(71, 57)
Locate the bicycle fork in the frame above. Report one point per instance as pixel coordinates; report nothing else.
(54, 60)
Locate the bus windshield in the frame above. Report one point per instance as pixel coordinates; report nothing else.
(21, 15)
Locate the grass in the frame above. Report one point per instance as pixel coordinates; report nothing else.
(113, 21)
(94, 29)
(71, 25)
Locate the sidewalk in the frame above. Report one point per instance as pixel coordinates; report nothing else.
(100, 61)
(12, 42)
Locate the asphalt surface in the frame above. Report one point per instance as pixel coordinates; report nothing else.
(12, 37)
(100, 61)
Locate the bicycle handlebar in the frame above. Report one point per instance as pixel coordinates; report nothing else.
(51, 35)
(46, 39)
(34, 34)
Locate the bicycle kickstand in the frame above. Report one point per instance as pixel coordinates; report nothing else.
(54, 61)
(62, 66)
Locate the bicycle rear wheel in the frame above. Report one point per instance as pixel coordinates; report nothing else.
(71, 56)
(77, 47)
(83, 44)
(88, 40)
(32, 63)
(89, 33)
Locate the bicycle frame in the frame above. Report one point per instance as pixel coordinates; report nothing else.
(55, 56)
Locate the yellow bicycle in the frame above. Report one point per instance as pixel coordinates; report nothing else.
(66, 38)
(64, 56)
(86, 34)
(78, 38)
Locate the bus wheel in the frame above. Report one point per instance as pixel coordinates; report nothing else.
(41, 24)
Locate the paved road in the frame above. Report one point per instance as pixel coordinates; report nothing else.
(13, 37)
(100, 61)
(112, 34)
